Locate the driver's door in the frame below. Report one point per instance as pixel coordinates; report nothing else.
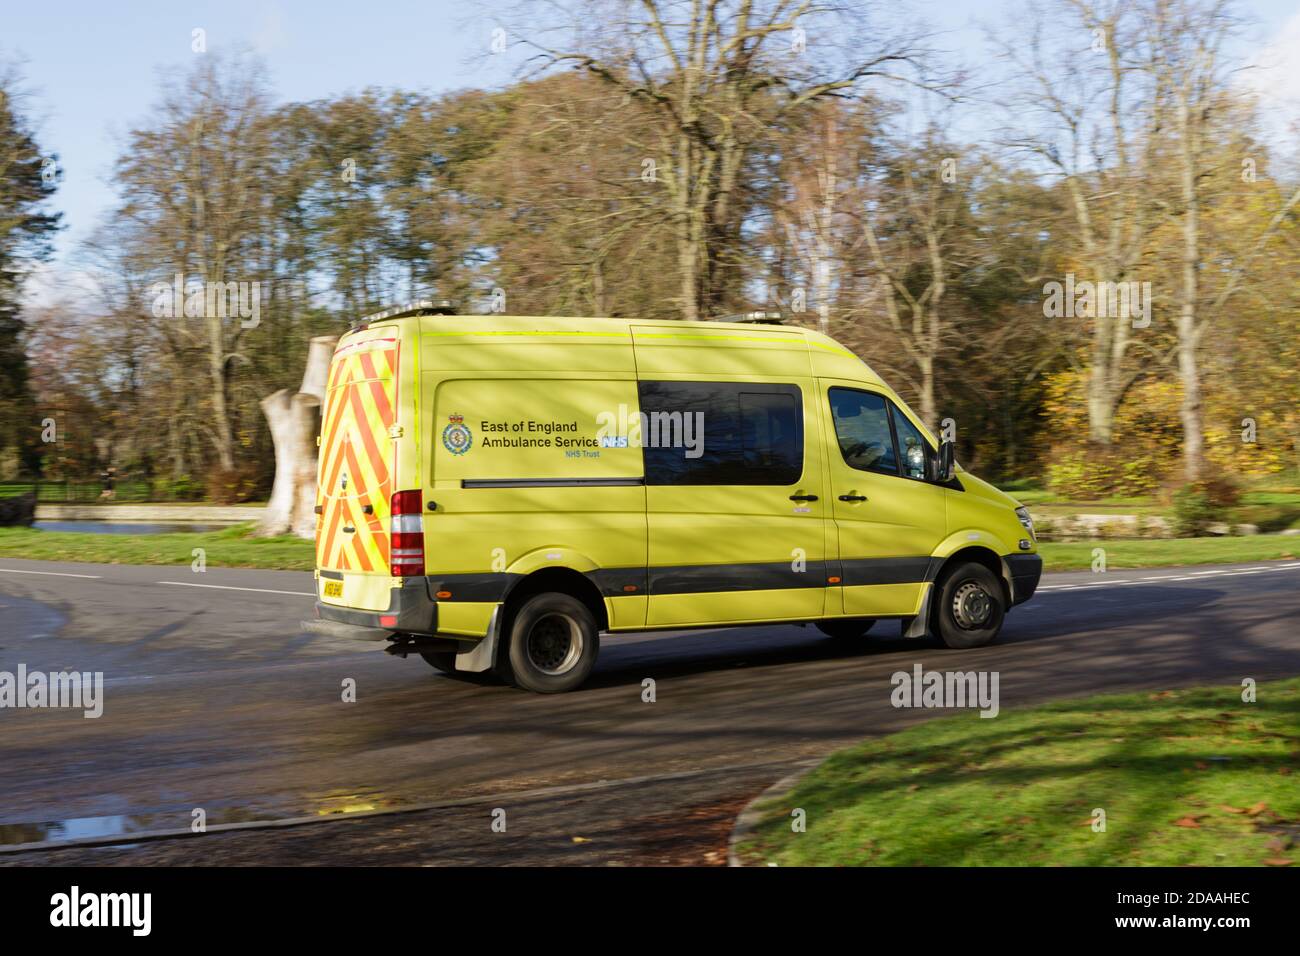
(888, 519)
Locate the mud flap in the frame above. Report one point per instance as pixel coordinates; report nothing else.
(919, 626)
(483, 655)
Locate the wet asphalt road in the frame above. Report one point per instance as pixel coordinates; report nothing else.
(215, 699)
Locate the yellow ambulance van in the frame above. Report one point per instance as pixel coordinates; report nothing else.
(496, 492)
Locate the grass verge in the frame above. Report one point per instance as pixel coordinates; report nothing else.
(1193, 777)
(1167, 552)
(232, 547)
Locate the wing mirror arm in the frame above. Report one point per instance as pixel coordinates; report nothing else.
(945, 462)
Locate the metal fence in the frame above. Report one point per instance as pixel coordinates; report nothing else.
(90, 492)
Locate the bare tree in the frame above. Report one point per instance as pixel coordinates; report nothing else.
(194, 181)
(819, 171)
(913, 221)
(1188, 39)
(1097, 117)
(716, 76)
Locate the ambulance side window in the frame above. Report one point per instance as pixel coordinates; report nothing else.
(862, 429)
(913, 450)
(721, 433)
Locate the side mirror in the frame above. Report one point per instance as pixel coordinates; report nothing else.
(945, 464)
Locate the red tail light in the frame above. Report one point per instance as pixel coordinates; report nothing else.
(407, 531)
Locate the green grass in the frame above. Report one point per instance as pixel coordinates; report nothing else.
(231, 547)
(1192, 777)
(234, 547)
(1167, 552)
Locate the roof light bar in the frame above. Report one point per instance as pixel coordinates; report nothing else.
(418, 307)
(754, 318)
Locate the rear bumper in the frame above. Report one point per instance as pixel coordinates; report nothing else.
(1025, 570)
(410, 610)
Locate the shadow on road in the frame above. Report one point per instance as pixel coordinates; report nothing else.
(625, 661)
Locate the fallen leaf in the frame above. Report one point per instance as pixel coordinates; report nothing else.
(581, 840)
(1257, 809)
(1231, 809)
(1189, 822)
(1278, 861)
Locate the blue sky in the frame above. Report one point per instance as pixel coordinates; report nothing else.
(94, 69)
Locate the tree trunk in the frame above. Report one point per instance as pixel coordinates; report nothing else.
(1190, 410)
(294, 420)
(223, 438)
(926, 366)
(1101, 396)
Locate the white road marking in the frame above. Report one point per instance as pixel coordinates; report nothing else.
(1190, 576)
(227, 587)
(57, 574)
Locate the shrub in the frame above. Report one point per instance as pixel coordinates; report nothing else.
(1193, 511)
(183, 488)
(1089, 474)
(229, 486)
(1147, 437)
(1222, 491)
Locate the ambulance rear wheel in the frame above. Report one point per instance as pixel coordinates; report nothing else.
(846, 629)
(554, 641)
(970, 606)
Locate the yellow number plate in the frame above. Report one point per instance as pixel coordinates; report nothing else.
(333, 588)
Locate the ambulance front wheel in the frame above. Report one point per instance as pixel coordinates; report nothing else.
(970, 606)
(554, 641)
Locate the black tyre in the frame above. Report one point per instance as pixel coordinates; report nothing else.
(553, 643)
(970, 606)
(444, 661)
(846, 628)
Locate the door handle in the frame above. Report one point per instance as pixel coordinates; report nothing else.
(803, 497)
(348, 529)
(853, 497)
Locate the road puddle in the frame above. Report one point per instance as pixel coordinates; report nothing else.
(76, 829)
